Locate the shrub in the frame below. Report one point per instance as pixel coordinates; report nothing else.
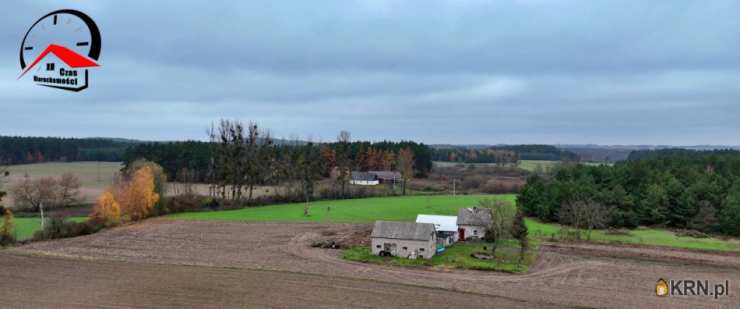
(691, 233)
(472, 182)
(58, 227)
(181, 203)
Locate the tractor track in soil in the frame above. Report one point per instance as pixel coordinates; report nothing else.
(240, 264)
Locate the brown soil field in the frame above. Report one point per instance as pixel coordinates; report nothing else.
(165, 263)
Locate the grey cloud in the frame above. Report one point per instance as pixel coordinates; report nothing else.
(437, 71)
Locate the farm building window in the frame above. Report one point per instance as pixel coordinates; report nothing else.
(475, 232)
(421, 249)
(405, 248)
(378, 246)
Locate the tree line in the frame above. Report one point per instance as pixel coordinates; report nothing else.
(503, 154)
(697, 190)
(26, 150)
(243, 157)
(205, 161)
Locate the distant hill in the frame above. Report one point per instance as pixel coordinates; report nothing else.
(24, 150)
(613, 153)
(678, 152)
(500, 153)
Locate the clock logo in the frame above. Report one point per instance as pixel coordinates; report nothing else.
(59, 48)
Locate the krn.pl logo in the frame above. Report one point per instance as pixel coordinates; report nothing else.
(661, 288)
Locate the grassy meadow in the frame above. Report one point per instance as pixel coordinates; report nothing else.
(640, 236)
(458, 256)
(529, 165)
(533, 165)
(366, 210)
(406, 208)
(25, 227)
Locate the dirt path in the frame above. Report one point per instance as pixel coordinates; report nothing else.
(574, 275)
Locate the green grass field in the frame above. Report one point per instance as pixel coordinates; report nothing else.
(642, 236)
(25, 227)
(458, 256)
(532, 165)
(350, 211)
(406, 208)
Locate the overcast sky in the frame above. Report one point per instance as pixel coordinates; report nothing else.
(461, 72)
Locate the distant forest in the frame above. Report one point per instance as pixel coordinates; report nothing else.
(674, 152)
(25, 150)
(196, 156)
(697, 190)
(502, 154)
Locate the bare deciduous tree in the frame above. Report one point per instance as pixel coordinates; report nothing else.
(343, 160)
(185, 179)
(597, 216)
(582, 214)
(406, 166)
(69, 189)
(34, 194)
(502, 214)
(309, 169)
(258, 156)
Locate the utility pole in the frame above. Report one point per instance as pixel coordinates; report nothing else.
(454, 180)
(41, 208)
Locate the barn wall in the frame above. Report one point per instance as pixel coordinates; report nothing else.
(411, 245)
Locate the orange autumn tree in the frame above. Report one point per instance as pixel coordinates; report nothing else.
(107, 209)
(137, 196)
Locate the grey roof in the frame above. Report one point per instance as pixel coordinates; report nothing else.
(403, 230)
(386, 175)
(363, 176)
(474, 216)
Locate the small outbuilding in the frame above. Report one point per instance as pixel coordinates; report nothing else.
(446, 227)
(372, 178)
(473, 223)
(363, 179)
(387, 177)
(402, 239)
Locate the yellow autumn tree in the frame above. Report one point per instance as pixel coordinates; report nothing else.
(7, 229)
(137, 197)
(107, 209)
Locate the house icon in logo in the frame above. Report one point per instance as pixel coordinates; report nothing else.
(661, 287)
(57, 75)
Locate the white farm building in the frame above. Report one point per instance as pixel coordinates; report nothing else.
(446, 227)
(402, 239)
